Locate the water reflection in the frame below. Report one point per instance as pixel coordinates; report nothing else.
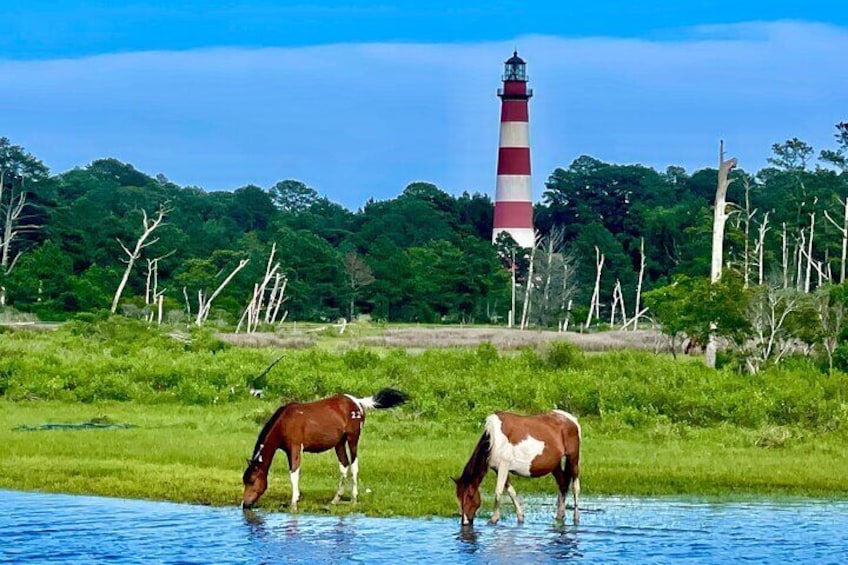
(467, 538)
(58, 528)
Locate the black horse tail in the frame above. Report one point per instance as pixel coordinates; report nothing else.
(386, 398)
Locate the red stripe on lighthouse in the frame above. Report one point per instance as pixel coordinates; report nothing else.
(514, 111)
(514, 161)
(513, 215)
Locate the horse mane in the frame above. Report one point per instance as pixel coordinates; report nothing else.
(478, 463)
(266, 429)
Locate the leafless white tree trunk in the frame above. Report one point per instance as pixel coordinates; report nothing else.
(12, 203)
(204, 304)
(810, 248)
(142, 242)
(843, 230)
(512, 269)
(258, 301)
(525, 310)
(767, 313)
(785, 256)
(760, 247)
(595, 304)
(618, 302)
(749, 215)
(152, 294)
(637, 313)
(719, 219)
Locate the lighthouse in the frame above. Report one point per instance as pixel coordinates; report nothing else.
(513, 197)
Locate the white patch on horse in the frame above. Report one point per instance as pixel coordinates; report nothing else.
(363, 403)
(571, 417)
(518, 457)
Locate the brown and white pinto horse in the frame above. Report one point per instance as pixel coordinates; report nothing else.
(529, 446)
(334, 422)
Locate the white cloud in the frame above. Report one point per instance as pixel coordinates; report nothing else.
(362, 120)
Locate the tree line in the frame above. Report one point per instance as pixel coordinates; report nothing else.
(608, 236)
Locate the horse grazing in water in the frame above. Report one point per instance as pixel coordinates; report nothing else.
(529, 446)
(334, 422)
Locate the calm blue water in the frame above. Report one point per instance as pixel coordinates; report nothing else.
(48, 528)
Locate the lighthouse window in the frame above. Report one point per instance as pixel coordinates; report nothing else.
(514, 72)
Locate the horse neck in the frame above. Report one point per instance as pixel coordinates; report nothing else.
(269, 441)
(478, 464)
(269, 449)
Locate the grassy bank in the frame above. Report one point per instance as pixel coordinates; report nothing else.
(652, 424)
(196, 454)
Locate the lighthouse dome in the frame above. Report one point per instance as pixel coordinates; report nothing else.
(515, 59)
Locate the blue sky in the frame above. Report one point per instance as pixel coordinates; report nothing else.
(357, 99)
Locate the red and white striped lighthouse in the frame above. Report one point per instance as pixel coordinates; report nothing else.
(513, 197)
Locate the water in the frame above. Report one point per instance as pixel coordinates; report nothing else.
(50, 528)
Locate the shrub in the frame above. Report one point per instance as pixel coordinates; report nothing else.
(563, 355)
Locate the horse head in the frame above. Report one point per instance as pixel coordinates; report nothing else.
(255, 481)
(468, 496)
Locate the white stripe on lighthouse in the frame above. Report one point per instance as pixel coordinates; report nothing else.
(515, 134)
(513, 188)
(522, 236)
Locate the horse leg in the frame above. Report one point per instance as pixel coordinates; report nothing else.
(519, 513)
(294, 474)
(354, 468)
(572, 475)
(562, 481)
(503, 476)
(344, 463)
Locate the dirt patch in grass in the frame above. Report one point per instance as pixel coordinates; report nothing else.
(503, 338)
(434, 337)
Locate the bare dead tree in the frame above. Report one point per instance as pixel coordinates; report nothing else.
(749, 215)
(759, 247)
(204, 303)
(259, 301)
(843, 230)
(809, 252)
(768, 312)
(525, 310)
(512, 269)
(799, 258)
(719, 219)
(618, 302)
(595, 303)
(784, 256)
(152, 294)
(637, 313)
(832, 316)
(149, 226)
(12, 204)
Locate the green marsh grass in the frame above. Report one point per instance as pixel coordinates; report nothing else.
(652, 425)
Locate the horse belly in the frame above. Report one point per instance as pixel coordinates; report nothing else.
(518, 457)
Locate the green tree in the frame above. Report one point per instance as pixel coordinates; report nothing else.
(293, 196)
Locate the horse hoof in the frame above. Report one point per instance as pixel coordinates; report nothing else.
(335, 500)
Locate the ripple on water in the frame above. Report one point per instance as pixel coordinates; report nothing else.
(46, 528)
